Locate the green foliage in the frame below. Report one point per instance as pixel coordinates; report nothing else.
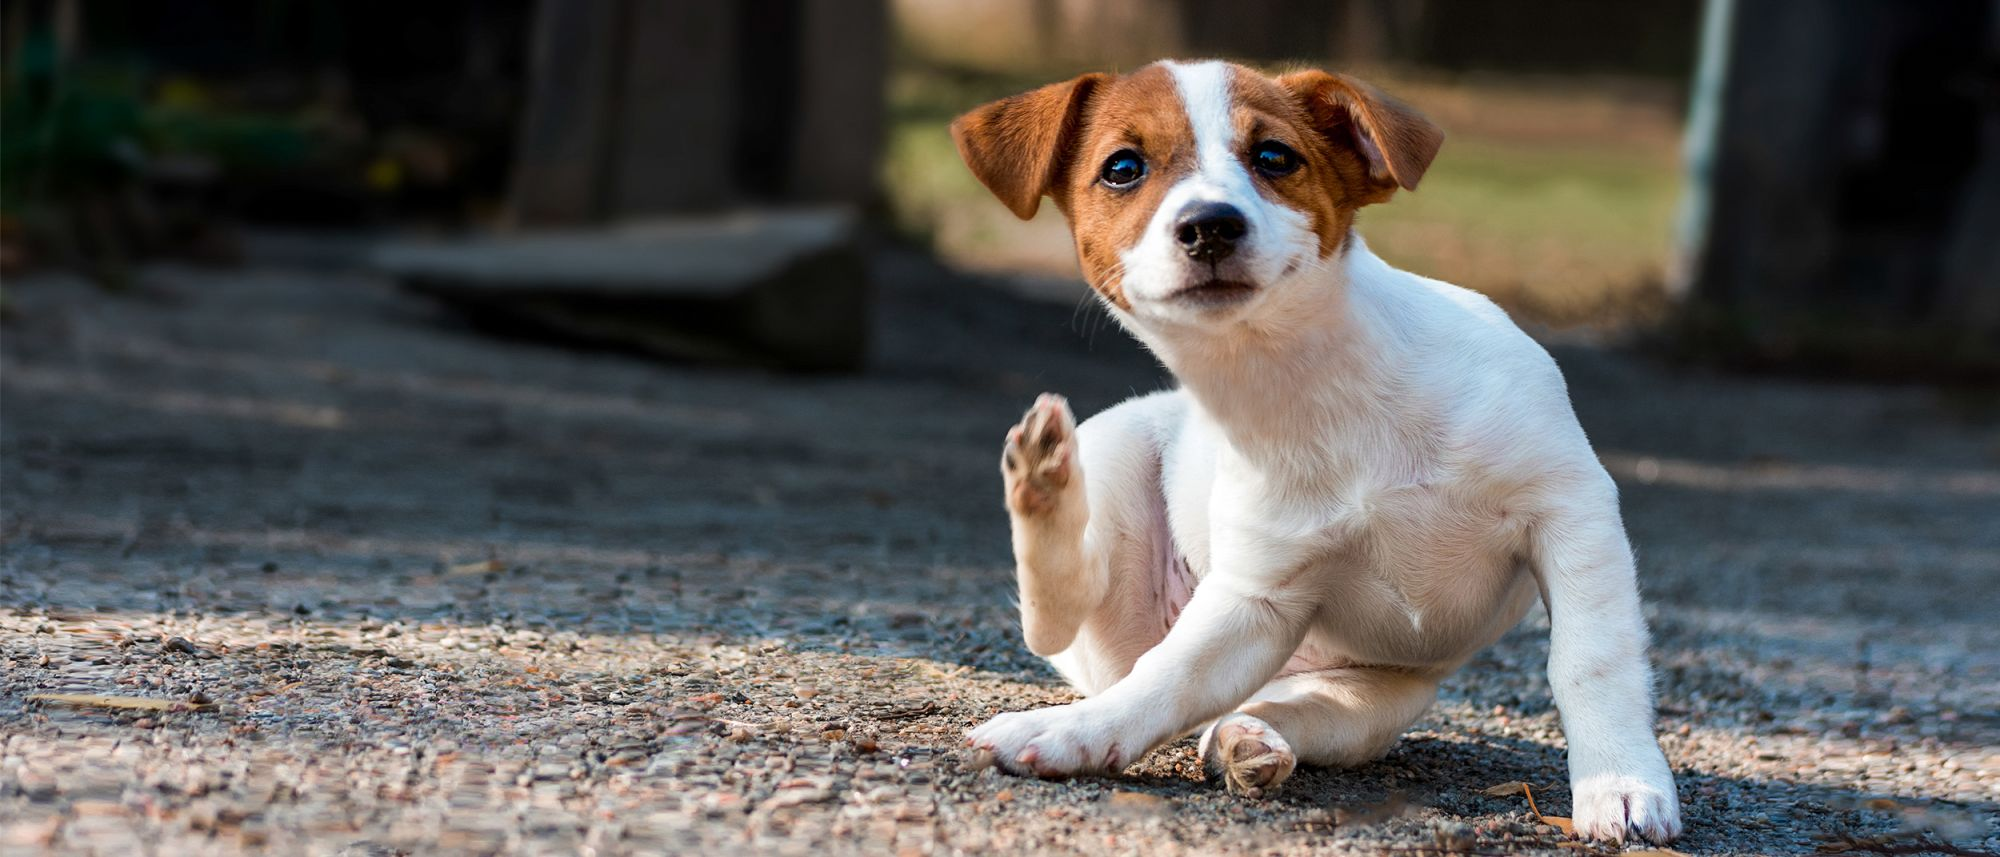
(63, 134)
(74, 132)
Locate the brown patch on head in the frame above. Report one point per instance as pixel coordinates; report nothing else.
(1393, 142)
(1094, 117)
(1323, 189)
(1141, 112)
(1358, 144)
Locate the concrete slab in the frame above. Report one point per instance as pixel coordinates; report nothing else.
(784, 288)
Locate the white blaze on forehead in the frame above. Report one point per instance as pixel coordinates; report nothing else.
(1217, 175)
(1204, 89)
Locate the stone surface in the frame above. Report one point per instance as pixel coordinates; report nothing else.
(787, 288)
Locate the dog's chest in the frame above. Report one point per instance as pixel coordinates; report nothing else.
(1419, 574)
(1440, 554)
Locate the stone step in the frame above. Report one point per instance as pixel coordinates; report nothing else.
(786, 289)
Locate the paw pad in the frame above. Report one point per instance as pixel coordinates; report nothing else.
(1038, 461)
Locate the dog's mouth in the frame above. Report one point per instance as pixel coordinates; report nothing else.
(1210, 294)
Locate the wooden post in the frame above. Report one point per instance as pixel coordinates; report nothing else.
(678, 113)
(1851, 197)
(671, 134)
(836, 139)
(648, 108)
(1970, 293)
(571, 96)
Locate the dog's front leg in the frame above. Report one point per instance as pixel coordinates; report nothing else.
(1235, 633)
(1061, 581)
(1620, 785)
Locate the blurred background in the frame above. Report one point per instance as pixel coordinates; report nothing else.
(1770, 184)
(507, 426)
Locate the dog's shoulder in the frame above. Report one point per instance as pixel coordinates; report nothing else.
(1456, 332)
(1498, 394)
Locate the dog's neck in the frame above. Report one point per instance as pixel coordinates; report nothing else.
(1315, 380)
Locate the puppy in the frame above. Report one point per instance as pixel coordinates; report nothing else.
(1365, 477)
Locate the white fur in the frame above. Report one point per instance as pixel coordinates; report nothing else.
(1368, 472)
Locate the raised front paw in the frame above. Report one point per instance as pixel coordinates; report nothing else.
(1040, 458)
(1062, 741)
(1621, 808)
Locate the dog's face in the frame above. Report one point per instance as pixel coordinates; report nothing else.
(1197, 191)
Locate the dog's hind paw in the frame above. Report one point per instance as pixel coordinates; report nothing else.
(1040, 458)
(1253, 759)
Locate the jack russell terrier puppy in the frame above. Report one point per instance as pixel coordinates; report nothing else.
(1366, 476)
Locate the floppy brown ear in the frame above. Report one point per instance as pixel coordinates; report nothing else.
(1395, 141)
(1018, 146)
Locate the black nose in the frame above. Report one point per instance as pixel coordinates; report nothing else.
(1208, 231)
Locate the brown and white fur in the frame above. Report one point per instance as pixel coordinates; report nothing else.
(1364, 478)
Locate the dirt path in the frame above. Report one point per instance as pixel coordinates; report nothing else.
(452, 595)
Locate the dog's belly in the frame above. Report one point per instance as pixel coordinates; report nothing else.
(1371, 620)
(1423, 580)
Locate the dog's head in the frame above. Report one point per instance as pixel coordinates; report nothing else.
(1196, 190)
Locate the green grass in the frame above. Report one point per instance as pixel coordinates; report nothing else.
(1565, 234)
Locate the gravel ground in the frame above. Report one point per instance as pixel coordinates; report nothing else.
(416, 590)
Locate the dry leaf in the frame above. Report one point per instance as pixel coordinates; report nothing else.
(1528, 791)
(490, 566)
(1654, 852)
(129, 703)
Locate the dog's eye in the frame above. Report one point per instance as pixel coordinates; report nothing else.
(1123, 169)
(1274, 159)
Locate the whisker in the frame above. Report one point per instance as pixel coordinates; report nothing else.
(1081, 301)
(1103, 316)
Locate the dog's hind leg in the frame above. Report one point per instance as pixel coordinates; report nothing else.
(1337, 717)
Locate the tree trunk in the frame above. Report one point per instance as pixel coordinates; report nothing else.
(1851, 198)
